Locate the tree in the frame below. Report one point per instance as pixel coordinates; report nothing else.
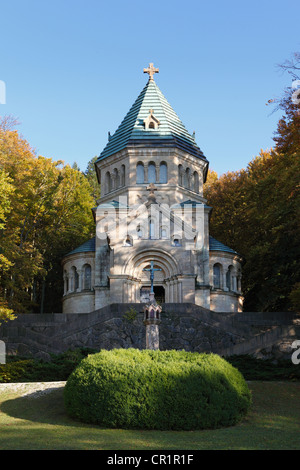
(50, 214)
(287, 135)
(256, 211)
(91, 175)
(6, 190)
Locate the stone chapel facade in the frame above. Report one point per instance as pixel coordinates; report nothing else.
(152, 209)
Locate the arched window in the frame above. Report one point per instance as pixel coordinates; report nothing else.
(196, 182)
(139, 232)
(151, 229)
(217, 276)
(187, 175)
(163, 173)
(123, 175)
(140, 173)
(229, 283)
(180, 175)
(151, 173)
(87, 277)
(116, 179)
(176, 241)
(107, 182)
(163, 232)
(74, 279)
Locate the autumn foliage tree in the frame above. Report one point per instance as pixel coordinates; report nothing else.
(257, 212)
(49, 206)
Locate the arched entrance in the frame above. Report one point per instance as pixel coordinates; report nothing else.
(166, 285)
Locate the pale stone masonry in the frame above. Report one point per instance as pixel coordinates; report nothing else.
(152, 209)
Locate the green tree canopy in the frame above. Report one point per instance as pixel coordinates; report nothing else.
(257, 212)
(50, 214)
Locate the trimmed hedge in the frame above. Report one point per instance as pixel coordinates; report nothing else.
(28, 369)
(130, 388)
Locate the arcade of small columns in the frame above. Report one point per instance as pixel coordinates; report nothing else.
(78, 276)
(225, 276)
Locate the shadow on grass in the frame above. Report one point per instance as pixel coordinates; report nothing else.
(273, 423)
(43, 407)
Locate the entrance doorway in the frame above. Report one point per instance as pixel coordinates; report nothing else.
(159, 294)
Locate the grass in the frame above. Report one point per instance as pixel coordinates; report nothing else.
(33, 423)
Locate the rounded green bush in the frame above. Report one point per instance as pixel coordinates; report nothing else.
(130, 388)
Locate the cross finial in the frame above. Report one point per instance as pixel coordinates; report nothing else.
(151, 70)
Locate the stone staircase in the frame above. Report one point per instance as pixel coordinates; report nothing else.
(183, 326)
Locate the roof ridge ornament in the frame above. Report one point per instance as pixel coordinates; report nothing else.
(151, 70)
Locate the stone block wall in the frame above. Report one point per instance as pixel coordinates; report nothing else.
(183, 326)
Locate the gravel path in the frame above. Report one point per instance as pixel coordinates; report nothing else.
(34, 389)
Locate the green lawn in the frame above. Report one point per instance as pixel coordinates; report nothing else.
(41, 423)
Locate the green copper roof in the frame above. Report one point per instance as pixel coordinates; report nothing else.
(170, 131)
(189, 202)
(112, 205)
(215, 245)
(85, 247)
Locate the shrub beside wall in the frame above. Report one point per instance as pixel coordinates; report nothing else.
(130, 388)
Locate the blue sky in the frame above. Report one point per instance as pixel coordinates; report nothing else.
(73, 68)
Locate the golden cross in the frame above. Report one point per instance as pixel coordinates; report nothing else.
(151, 70)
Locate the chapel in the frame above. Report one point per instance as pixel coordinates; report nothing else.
(152, 213)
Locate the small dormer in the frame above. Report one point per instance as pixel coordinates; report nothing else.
(151, 122)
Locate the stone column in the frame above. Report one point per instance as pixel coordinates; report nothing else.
(167, 291)
(152, 336)
(113, 182)
(80, 280)
(145, 172)
(179, 292)
(65, 284)
(175, 295)
(71, 283)
(138, 291)
(171, 292)
(224, 281)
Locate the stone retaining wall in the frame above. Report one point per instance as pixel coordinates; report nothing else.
(183, 326)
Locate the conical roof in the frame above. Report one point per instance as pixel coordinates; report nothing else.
(132, 130)
(215, 245)
(85, 247)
